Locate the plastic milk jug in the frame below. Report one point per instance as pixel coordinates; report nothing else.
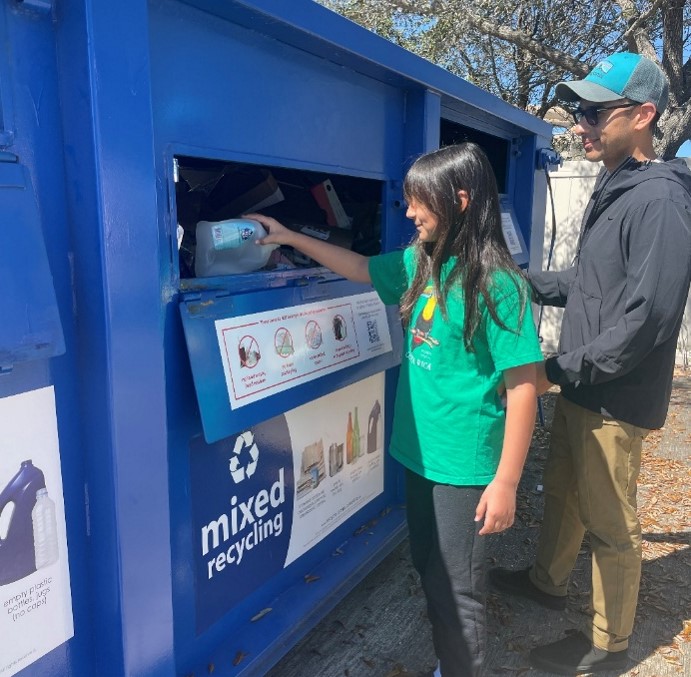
(229, 247)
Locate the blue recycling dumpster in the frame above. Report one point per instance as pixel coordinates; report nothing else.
(192, 466)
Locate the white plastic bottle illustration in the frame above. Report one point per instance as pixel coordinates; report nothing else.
(45, 530)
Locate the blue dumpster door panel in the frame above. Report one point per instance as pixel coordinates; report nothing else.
(30, 327)
(280, 344)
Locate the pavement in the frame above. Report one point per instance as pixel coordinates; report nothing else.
(380, 628)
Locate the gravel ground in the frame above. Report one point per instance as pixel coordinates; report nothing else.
(380, 629)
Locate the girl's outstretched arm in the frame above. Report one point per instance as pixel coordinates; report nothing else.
(342, 261)
(497, 505)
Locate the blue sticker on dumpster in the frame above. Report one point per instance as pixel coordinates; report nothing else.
(242, 505)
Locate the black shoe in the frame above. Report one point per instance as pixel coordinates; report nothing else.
(519, 583)
(576, 654)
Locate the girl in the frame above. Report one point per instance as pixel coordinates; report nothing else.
(469, 334)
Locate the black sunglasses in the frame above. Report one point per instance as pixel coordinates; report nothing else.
(590, 113)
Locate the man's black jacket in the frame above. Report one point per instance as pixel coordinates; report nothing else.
(624, 298)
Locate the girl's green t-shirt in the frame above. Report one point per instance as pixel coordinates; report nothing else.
(448, 419)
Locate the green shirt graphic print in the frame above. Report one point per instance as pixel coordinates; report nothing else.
(448, 419)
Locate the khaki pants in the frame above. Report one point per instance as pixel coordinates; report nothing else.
(590, 484)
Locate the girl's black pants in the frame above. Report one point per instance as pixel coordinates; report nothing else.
(450, 558)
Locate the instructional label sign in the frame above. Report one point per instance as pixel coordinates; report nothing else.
(35, 595)
(510, 234)
(269, 352)
(266, 495)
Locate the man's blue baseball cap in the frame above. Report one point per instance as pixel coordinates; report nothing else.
(620, 76)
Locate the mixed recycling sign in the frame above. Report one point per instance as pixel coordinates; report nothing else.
(264, 496)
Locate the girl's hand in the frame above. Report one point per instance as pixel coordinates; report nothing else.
(342, 261)
(497, 504)
(497, 507)
(277, 232)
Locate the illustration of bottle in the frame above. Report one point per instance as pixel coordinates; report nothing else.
(349, 439)
(45, 530)
(357, 450)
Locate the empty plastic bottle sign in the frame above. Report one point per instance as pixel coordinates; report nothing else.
(35, 595)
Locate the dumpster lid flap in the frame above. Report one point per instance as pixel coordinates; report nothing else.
(258, 354)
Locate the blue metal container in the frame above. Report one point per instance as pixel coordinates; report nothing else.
(193, 474)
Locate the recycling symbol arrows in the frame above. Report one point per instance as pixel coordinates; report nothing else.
(238, 471)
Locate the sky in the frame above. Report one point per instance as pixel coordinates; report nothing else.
(685, 150)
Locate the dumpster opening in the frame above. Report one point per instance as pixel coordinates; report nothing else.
(498, 152)
(343, 210)
(497, 149)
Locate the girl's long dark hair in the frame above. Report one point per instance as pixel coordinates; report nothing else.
(473, 236)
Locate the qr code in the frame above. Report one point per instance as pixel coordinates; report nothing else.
(372, 331)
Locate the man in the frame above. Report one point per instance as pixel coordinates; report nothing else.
(624, 300)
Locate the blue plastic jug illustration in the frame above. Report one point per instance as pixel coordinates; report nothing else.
(17, 556)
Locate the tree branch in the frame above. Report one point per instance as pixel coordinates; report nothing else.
(673, 46)
(636, 36)
(685, 95)
(642, 18)
(495, 74)
(520, 39)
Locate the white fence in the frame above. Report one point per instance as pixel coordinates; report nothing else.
(572, 185)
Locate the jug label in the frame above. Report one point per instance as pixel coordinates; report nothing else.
(230, 236)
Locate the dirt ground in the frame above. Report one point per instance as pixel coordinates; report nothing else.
(380, 629)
